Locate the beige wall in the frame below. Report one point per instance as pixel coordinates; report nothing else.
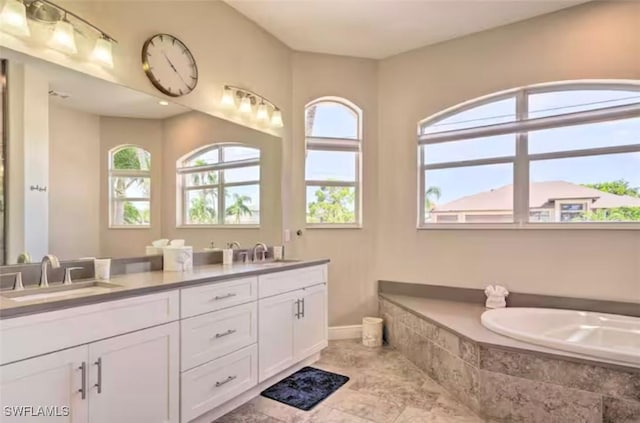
(352, 281)
(74, 183)
(190, 131)
(599, 40)
(28, 162)
(146, 133)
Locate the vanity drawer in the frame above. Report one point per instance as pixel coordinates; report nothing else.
(212, 335)
(27, 336)
(210, 385)
(216, 296)
(290, 280)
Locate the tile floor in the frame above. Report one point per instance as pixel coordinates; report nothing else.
(385, 387)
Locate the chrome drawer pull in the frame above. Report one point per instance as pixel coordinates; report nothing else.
(222, 297)
(83, 389)
(99, 381)
(227, 380)
(229, 332)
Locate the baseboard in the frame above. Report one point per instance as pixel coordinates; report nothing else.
(345, 332)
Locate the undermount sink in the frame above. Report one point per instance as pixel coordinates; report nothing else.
(76, 289)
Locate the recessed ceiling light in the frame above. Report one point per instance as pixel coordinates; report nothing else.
(163, 103)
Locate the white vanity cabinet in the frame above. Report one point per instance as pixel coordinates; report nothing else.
(292, 325)
(179, 356)
(134, 378)
(130, 378)
(55, 379)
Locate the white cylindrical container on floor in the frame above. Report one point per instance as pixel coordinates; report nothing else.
(102, 269)
(372, 332)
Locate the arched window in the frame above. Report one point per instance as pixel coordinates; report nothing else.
(333, 131)
(562, 153)
(220, 185)
(129, 187)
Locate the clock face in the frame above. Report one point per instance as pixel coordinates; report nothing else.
(169, 65)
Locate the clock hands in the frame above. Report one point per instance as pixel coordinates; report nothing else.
(174, 69)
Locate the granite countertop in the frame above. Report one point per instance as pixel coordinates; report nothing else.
(463, 318)
(134, 284)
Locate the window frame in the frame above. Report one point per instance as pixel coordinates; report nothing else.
(128, 173)
(182, 189)
(522, 159)
(335, 144)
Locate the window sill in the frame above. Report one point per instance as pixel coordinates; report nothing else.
(129, 226)
(217, 226)
(530, 226)
(335, 226)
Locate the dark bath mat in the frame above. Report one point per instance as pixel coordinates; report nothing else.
(305, 388)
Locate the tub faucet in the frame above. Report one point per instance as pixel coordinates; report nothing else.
(258, 246)
(48, 259)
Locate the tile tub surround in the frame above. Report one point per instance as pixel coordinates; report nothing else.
(504, 383)
(385, 387)
(135, 284)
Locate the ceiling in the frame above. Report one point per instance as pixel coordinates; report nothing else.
(381, 28)
(96, 96)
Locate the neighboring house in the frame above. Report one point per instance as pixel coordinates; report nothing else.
(555, 201)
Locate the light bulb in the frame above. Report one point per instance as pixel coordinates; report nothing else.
(245, 105)
(13, 18)
(227, 97)
(102, 53)
(276, 119)
(262, 114)
(63, 38)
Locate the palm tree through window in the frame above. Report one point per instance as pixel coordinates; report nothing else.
(220, 185)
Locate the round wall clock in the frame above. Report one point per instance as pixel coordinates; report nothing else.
(169, 65)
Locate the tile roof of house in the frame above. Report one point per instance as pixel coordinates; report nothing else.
(542, 195)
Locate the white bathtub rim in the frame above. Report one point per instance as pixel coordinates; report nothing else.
(594, 352)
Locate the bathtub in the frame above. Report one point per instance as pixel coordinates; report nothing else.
(606, 336)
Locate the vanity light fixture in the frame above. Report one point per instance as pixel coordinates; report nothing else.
(266, 112)
(63, 38)
(102, 53)
(245, 105)
(15, 16)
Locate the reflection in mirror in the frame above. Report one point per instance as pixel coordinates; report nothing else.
(96, 169)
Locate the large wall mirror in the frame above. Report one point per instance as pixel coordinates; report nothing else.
(95, 169)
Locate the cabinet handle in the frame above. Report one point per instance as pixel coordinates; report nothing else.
(227, 380)
(303, 308)
(229, 332)
(83, 388)
(222, 297)
(297, 315)
(99, 382)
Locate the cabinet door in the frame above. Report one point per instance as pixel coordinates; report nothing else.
(275, 333)
(310, 333)
(134, 378)
(53, 381)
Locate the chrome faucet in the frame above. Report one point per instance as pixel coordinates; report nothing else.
(48, 259)
(234, 244)
(255, 251)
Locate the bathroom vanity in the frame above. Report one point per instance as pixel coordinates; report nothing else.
(164, 347)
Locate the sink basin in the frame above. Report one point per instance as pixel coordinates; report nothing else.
(74, 290)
